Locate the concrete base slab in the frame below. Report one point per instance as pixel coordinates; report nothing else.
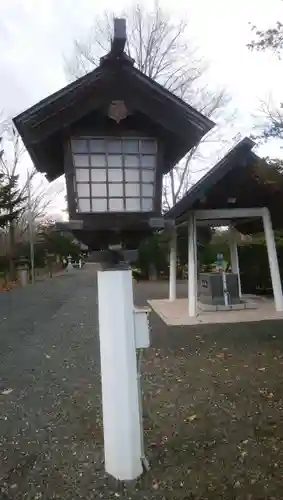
(244, 304)
(252, 305)
(176, 312)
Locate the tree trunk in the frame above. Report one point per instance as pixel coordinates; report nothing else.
(152, 272)
(11, 252)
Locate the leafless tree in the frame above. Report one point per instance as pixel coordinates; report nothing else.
(272, 125)
(41, 193)
(162, 50)
(271, 40)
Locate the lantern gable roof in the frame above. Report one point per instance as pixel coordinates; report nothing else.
(43, 125)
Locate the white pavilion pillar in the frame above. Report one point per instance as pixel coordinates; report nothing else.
(234, 256)
(173, 266)
(192, 265)
(273, 261)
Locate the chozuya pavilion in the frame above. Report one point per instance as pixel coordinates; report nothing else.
(230, 194)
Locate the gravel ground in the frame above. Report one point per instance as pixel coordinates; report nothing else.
(212, 405)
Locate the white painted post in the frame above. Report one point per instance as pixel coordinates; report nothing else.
(273, 261)
(173, 267)
(196, 263)
(225, 291)
(120, 399)
(192, 266)
(234, 256)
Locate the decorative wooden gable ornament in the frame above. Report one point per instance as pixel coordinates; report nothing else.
(117, 111)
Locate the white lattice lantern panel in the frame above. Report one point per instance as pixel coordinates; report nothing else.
(114, 174)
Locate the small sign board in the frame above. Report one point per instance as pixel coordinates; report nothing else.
(204, 283)
(220, 259)
(220, 262)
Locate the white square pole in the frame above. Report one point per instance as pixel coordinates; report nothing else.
(173, 267)
(120, 399)
(192, 265)
(273, 261)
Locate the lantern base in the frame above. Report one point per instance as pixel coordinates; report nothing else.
(114, 258)
(99, 232)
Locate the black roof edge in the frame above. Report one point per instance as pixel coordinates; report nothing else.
(199, 120)
(206, 123)
(215, 174)
(255, 157)
(50, 99)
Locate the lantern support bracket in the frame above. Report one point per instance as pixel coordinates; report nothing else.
(115, 258)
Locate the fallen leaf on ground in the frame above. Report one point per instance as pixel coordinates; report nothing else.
(7, 391)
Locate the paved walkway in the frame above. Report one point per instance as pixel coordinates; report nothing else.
(51, 444)
(50, 385)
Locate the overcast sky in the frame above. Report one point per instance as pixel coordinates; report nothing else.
(36, 34)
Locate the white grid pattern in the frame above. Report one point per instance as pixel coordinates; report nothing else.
(114, 174)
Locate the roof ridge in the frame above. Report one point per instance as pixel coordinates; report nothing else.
(180, 208)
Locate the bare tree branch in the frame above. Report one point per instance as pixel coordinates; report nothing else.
(270, 39)
(42, 194)
(270, 122)
(166, 202)
(163, 50)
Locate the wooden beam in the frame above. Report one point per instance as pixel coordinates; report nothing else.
(229, 213)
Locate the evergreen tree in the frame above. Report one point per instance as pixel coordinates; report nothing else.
(3, 202)
(12, 204)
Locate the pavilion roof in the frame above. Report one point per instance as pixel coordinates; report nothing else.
(241, 179)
